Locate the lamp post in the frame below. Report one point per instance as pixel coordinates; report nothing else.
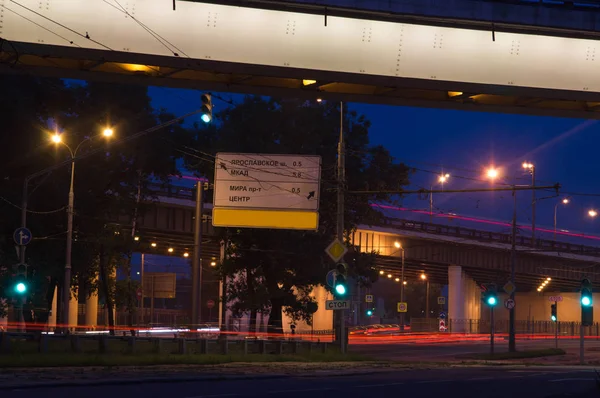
(592, 213)
(57, 139)
(531, 168)
(492, 174)
(441, 179)
(564, 201)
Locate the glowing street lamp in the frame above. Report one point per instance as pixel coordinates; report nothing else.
(492, 173)
(592, 213)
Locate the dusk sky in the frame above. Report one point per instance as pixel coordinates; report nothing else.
(463, 144)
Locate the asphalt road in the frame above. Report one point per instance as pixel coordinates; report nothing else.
(464, 383)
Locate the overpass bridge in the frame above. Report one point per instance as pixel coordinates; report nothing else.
(470, 55)
(433, 248)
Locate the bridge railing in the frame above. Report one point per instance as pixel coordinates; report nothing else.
(188, 193)
(488, 236)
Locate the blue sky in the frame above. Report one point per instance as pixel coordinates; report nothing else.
(464, 144)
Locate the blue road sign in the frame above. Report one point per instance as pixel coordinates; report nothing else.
(22, 236)
(442, 315)
(330, 278)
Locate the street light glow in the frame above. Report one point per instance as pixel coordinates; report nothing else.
(56, 138)
(492, 173)
(565, 200)
(443, 178)
(381, 272)
(397, 245)
(153, 244)
(593, 213)
(170, 250)
(186, 254)
(423, 276)
(397, 279)
(389, 276)
(527, 165)
(108, 132)
(213, 263)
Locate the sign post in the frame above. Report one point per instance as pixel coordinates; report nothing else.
(492, 330)
(556, 326)
(267, 191)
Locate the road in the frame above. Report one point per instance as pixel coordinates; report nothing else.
(465, 383)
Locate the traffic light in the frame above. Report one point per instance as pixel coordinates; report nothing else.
(553, 313)
(370, 311)
(587, 309)
(490, 296)
(341, 285)
(206, 109)
(19, 283)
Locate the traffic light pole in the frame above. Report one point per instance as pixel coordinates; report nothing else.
(581, 344)
(513, 259)
(340, 216)
(492, 330)
(556, 326)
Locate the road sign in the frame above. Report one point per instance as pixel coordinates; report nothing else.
(336, 250)
(441, 300)
(330, 278)
(210, 304)
(509, 288)
(248, 186)
(337, 305)
(402, 307)
(442, 325)
(369, 298)
(22, 236)
(555, 298)
(509, 304)
(442, 315)
(160, 284)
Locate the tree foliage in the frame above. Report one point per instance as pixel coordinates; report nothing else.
(110, 186)
(277, 269)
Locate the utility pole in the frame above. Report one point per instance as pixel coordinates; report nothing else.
(340, 215)
(513, 260)
(532, 206)
(67, 284)
(196, 259)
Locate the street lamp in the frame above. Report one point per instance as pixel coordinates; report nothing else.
(530, 167)
(57, 139)
(592, 213)
(442, 178)
(492, 173)
(565, 201)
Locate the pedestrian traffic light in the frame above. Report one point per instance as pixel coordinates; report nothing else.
(206, 109)
(341, 286)
(587, 309)
(553, 313)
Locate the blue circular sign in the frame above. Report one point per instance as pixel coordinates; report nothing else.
(22, 236)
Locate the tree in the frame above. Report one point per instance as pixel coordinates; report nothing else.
(281, 267)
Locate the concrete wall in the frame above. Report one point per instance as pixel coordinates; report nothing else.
(482, 10)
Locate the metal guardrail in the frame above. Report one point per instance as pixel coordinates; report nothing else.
(487, 236)
(47, 343)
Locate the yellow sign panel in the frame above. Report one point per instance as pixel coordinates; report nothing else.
(402, 307)
(256, 218)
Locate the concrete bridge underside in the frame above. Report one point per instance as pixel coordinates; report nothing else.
(275, 49)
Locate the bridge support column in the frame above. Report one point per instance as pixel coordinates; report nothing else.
(91, 310)
(456, 299)
(53, 310)
(73, 312)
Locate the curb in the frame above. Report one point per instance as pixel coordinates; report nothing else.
(147, 380)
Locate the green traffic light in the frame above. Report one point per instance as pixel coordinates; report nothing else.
(20, 288)
(340, 289)
(491, 300)
(369, 312)
(553, 317)
(586, 301)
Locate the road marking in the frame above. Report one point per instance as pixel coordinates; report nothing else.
(378, 385)
(433, 381)
(571, 379)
